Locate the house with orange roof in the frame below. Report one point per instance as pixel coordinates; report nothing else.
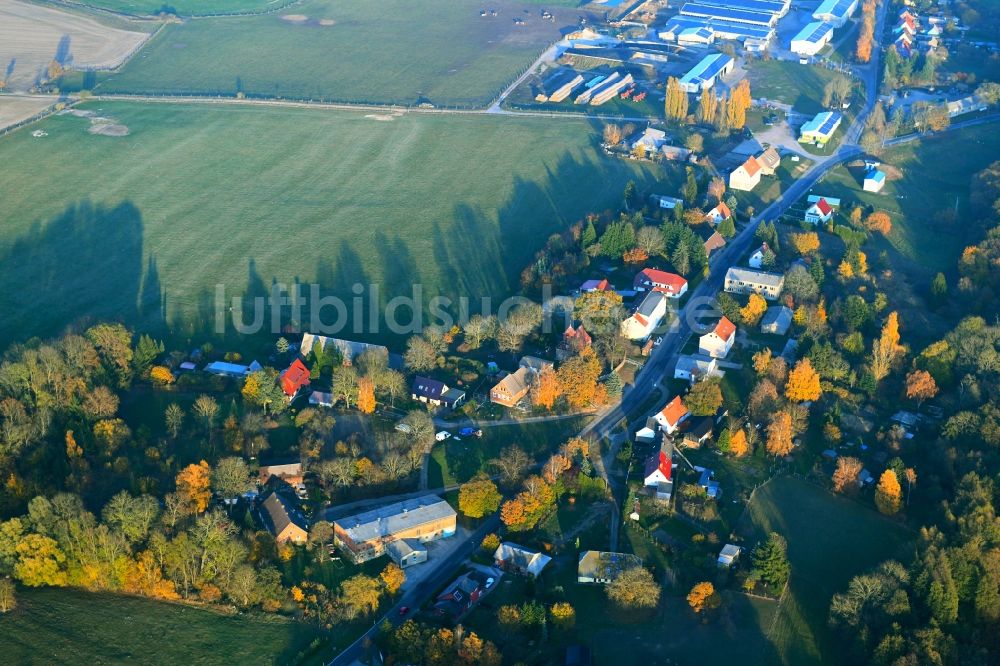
(718, 341)
(671, 416)
(746, 176)
(719, 214)
(294, 377)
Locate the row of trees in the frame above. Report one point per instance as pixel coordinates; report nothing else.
(725, 113)
(866, 36)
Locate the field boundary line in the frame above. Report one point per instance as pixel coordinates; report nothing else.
(44, 113)
(189, 98)
(157, 17)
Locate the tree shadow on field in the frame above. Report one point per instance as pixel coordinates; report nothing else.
(63, 55)
(82, 266)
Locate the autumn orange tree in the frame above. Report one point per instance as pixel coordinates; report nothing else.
(803, 382)
(546, 391)
(805, 243)
(739, 102)
(779, 435)
(754, 309)
(920, 386)
(879, 221)
(392, 578)
(738, 445)
(525, 510)
(635, 256)
(555, 466)
(578, 379)
(761, 360)
(886, 349)
(194, 486)
(366, 395)
(888, 493)
(703, 597)
(161, 375)
(563, 615)
(845, 477)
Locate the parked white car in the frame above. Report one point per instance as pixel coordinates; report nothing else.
(443, 435)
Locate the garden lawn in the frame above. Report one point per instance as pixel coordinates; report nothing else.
(789, 82)
(391, 51)
(146, 227)
(63, 626)
(458, 461)
(830, 540)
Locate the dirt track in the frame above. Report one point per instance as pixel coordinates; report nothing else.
(32, 36)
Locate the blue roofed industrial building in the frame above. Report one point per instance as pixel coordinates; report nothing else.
(812, 38)
(743, 32)
(704, 75)
(779, 7)
(766, 19)
(749, 21)
(835, 12)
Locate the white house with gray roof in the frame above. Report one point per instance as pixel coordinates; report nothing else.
(746, 281)
(367, 535)
(646, 318)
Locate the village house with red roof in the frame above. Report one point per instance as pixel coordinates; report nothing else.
(820, 212)
(658, 474)
(669, 284)
(574, 341)
(294, 378)
(719, 214)
(717, 342)
(671, 416)
(746, 176)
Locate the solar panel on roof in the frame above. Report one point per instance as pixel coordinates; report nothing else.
(828, 124)
(834, 7)
(723, 29)
(819, 32)
(743, 16)
(771, 6)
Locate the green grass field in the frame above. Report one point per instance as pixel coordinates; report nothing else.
(393, 51)
(789, 82)
(198, 196)
(925, 190)
(186, 7)
(61, 626)
(830, 539)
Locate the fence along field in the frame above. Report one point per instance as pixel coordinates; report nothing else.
(390, 51)
(32, 36)
(120, 226)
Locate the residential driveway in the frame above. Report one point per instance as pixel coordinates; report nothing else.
(437, 553)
